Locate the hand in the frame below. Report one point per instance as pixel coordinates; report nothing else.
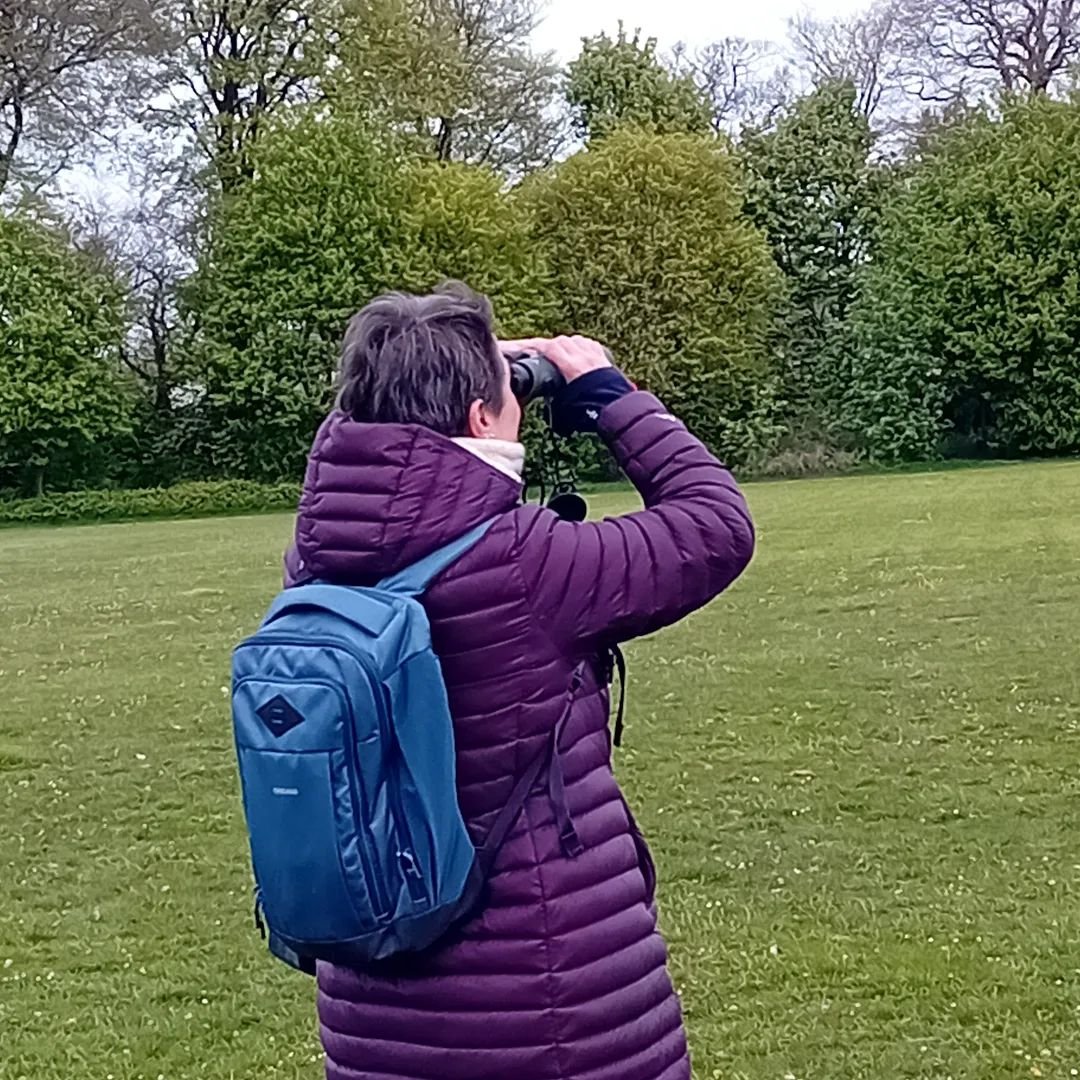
(573, 356)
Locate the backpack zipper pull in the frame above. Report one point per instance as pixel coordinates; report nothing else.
(414, 879)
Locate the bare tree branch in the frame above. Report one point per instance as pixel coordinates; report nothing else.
(147, 244)
(231, 63)
(907, 57)
(744, 81)
(861, 49)
(64, 66)
(1014, 44)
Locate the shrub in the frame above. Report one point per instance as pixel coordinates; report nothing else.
(649, 252)
(806, 447)
(333, 217)
(61, 329)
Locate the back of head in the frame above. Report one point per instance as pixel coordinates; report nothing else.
(422, 360)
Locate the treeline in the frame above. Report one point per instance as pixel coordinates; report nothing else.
(810, 274)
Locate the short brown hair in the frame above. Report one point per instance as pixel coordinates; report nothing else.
(422, 360)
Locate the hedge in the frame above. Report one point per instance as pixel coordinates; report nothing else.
(196, 499)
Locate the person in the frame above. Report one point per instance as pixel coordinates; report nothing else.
(562, 973)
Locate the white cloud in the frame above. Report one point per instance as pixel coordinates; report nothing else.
(696, 22)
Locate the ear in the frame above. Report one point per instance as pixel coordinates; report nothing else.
(480, 420)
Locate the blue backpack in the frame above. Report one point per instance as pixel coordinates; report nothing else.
(346, 755)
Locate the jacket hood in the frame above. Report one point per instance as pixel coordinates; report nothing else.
(379, 497)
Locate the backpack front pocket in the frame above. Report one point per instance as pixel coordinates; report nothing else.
(308, 854)
(312, 855)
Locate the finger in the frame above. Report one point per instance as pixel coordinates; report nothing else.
(523, 344)
(559, 348)
(580, 341)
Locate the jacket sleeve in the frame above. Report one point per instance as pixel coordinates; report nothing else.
(603, 583)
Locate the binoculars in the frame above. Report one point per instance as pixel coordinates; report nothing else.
(533, 375)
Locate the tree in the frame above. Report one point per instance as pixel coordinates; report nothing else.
(862, 49)
(334, 216)
(232, 64)
(649, 252)
(458, 75)
(149, 351)
(968, 46)
(741, 81)
(147, 246)
(814, 192)
(905, 53)
(61, 326)
(966, 327)
(63, 63)
(622, 81)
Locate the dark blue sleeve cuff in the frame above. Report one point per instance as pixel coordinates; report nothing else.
(576, 409)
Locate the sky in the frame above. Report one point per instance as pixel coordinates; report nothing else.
(695, 22)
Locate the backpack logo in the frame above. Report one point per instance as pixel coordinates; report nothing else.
(279, 716)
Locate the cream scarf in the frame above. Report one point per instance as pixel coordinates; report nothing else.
(507, 457)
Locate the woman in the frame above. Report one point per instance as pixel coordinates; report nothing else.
(562, 973)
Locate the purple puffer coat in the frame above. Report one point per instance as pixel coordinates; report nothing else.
(562, 976)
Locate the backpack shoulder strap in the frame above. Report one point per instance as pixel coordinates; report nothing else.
(619, 660)
(414, 580)
(548, 758)
(355, 604)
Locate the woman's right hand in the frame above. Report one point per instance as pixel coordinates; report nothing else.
(573, 356)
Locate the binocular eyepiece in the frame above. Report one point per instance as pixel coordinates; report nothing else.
(532, 376)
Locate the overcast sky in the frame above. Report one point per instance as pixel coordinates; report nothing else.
(696, 22)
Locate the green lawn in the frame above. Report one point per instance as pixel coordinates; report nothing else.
(860, 773)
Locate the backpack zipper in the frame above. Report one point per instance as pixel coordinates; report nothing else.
(408, 864)
(414, 878)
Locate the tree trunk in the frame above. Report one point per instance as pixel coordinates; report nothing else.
(7, 155)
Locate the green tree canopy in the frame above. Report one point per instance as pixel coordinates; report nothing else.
(967, 329)
(61, 329)
(334, 216)
(458, 76)
(621, 81)
(813, 190)
(649, 251)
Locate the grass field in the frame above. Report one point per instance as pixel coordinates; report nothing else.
(859, 772)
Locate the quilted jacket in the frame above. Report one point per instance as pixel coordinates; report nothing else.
(562, 975)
